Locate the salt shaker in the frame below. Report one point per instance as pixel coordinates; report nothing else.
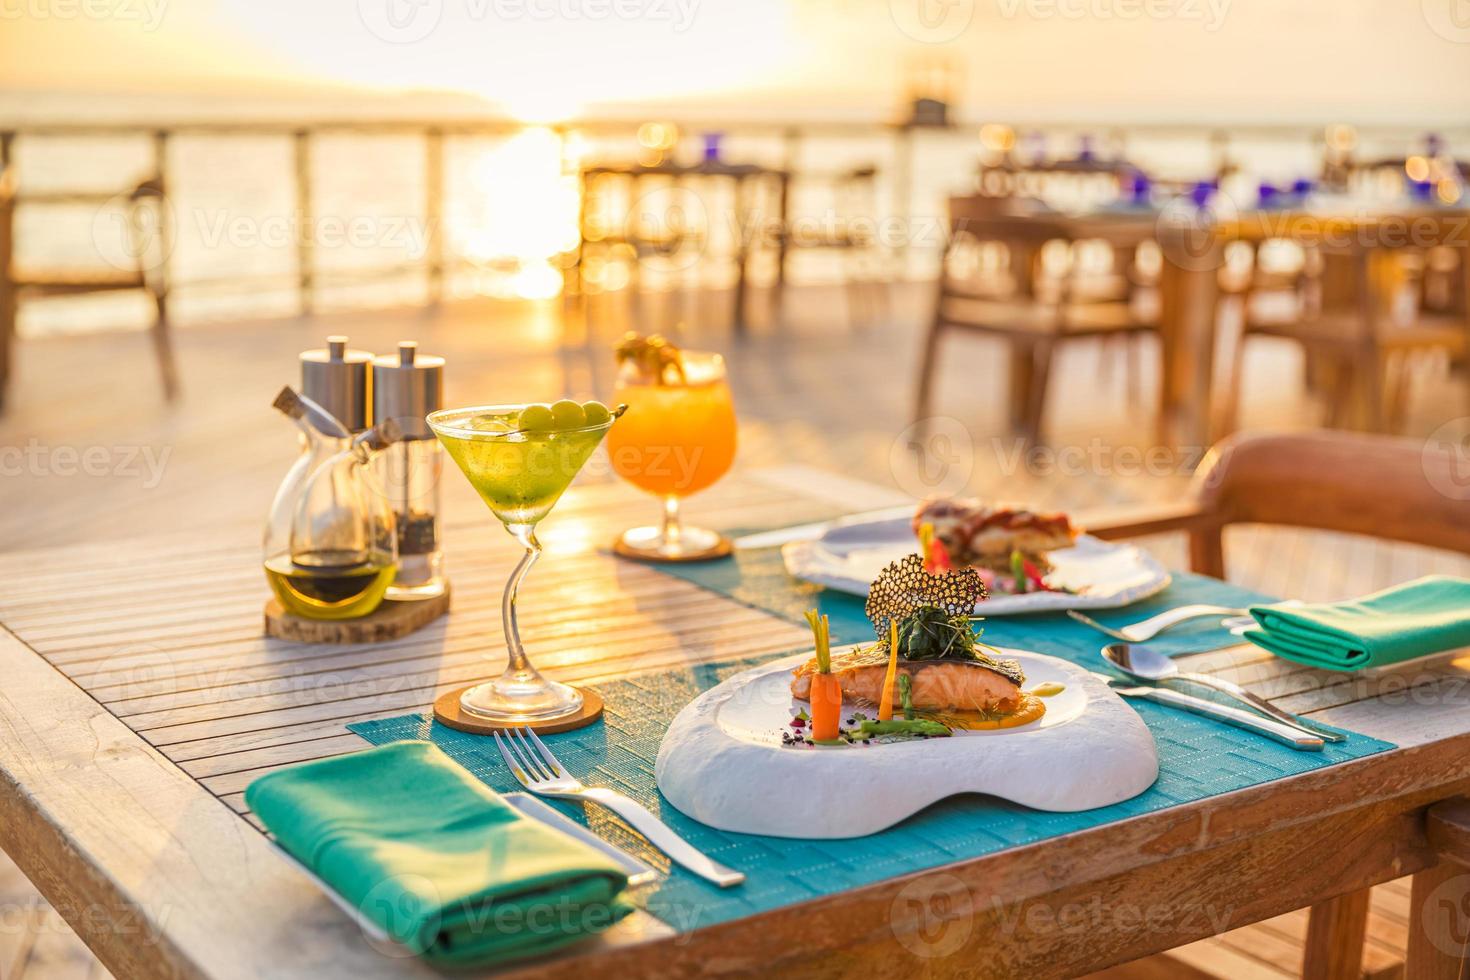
(406, 387)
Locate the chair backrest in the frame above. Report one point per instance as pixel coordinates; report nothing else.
(1386, 487)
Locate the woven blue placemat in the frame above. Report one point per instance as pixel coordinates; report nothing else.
(1197, 758)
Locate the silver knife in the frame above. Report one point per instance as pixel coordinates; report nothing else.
(1220, 712)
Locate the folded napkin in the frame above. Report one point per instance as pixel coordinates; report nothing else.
(1428, 615)
(435, 858)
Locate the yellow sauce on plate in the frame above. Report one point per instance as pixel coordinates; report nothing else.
(1030, 709)
(1047, 690)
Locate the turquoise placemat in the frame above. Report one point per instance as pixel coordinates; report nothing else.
(1198, 758)
(758, 578)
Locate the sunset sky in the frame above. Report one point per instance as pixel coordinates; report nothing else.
(1227, 60)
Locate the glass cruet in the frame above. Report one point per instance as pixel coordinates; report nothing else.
(330, 548)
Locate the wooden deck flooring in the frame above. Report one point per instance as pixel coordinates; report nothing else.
(812, 390)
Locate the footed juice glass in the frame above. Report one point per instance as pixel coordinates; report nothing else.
(679, 438)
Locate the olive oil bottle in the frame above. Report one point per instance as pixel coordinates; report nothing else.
(330, 548)
(329, 585)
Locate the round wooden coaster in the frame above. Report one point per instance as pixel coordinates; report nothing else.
(448, 712)
(392, 619)
(719, 549)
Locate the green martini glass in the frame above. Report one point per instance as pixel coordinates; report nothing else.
(520, 472)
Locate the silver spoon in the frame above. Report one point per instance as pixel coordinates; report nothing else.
(1143, 664)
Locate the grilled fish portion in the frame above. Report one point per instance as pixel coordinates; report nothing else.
(981, 534)
(937, 685)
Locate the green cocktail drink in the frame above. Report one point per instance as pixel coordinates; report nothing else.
(520, 459)
(520, 475)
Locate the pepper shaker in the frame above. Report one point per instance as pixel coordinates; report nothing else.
(336, 378)
(406, 387)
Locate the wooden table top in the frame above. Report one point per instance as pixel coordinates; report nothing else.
(140, 698)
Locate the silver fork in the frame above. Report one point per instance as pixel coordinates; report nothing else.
(1146, 629)
(535, 768)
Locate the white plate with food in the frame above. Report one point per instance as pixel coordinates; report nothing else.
(740, 757)
(1057, 565)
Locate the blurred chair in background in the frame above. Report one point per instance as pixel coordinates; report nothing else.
(1037, 316)
(1360, 336)
(145, 221)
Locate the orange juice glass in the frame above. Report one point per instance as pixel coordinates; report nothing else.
(677, 438)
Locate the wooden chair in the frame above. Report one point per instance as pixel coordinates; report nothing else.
(146, 242)
(1355, 341)
(1034, 320)
(1374, 485)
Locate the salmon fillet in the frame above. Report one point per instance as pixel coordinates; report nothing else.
(937, 685)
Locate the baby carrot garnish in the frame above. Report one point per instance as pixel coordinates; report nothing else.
(826, 690)
(885, 706)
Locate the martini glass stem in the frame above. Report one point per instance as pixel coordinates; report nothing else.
(519, 667)
(673, 530)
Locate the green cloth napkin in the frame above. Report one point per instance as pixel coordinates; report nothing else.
(1429, 615)
(435, 858)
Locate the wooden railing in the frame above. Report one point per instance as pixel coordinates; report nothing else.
(903, 143)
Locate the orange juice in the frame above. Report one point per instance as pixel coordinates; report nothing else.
(676, 439)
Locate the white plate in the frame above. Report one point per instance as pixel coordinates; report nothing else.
(849, 555)
(722, 761)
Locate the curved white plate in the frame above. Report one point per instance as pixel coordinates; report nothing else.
(848, 556)
(722, 761)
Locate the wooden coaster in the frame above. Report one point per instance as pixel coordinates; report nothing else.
(392, 619)
(719, 549)
(448, 712)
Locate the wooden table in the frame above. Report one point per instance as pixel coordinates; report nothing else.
(139, 699)
(1193, 252)
(741, 175)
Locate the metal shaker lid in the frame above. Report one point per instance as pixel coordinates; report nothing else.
(337, 379)
(407, 386)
